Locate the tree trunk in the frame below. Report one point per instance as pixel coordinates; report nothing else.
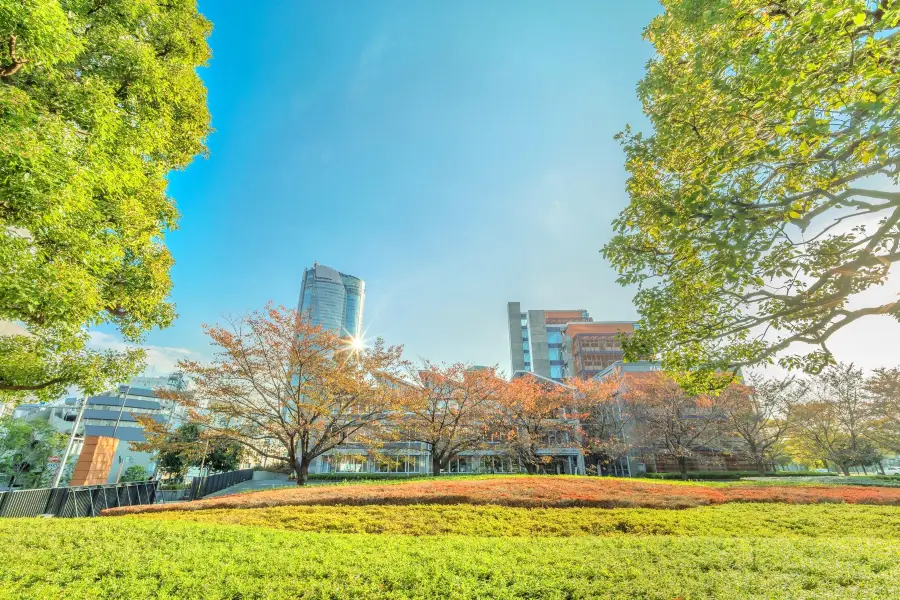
(761, 466)
(435, 464)
(881, 467)
(301, 467)
(682, 466)
(845, 470)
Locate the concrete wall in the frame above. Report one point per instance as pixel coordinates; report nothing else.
(540, 351)
(516, 352)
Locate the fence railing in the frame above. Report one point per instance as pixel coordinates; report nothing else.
(86, 501)
(204, 486)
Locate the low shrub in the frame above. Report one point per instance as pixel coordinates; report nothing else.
(731, 475)
(534, 492)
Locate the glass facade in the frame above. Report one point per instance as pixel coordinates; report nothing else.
(333, 300)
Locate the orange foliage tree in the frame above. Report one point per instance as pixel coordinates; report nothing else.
(446, 407)
(289, 390)
(603, 418)
(536, 414)
(669, 421)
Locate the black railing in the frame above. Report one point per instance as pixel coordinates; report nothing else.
(85, 501)
(204, 486)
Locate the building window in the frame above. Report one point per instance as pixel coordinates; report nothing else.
(556, 372)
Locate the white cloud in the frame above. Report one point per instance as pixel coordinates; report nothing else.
(160, 360)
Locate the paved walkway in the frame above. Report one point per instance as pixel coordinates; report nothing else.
(263, 484)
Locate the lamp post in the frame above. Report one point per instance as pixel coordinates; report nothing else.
(62, 464)
(121, 410)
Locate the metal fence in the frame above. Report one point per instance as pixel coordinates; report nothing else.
(204, 486)
(86, 501)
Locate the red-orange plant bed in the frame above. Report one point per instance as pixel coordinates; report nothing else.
(537, 491)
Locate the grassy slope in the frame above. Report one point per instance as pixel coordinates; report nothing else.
(539, 492)
(725, 552)
(727, 520)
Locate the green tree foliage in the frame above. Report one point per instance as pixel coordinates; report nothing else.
(759, 212)
(25, 451)
(186, 447)
(99, 101)
(135, 473)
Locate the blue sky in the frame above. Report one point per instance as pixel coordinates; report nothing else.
(455, 156)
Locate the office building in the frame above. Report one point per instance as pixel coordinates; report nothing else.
(536, 339)
(112, 414)
(593, 346)
(559, 344)
(333, 300)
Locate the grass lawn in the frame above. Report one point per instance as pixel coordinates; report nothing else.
(405, 550)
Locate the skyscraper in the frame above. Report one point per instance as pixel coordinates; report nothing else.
(333, 300)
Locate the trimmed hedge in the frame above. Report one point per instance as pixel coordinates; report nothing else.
(733, 475)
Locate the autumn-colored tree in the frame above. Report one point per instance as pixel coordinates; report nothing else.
(275, 376)
(763, 200)
(883, 388)
(669, 421)
(759, 416)
(446, 407)
(536, 414)
(604, 418)
(836, 417)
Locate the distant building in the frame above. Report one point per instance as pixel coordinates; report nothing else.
(333, 300)
(111, 414)
(173, 382)
(559, 344)
(536, 339)
(592, 347)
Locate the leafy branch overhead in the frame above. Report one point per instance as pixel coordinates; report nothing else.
(765, 203)
(99, 101)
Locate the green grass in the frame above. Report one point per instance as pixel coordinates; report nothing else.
(146, 558)
(725, 552)
(726, 520)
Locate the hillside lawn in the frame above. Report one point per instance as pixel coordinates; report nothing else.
(731, 550)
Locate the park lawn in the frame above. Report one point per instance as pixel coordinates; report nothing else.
(728, 552)
(727, 520)
(483, 537)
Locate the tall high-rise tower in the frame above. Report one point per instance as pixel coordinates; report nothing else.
(333, 300)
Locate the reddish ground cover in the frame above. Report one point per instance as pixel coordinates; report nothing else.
(531, 492)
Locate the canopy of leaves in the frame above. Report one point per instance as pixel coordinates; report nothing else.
(187, 446)
(447, 407)
(99, 101)
(25, 451)
(287, 389)
(667, 420)
(135, 473)
(765, 202)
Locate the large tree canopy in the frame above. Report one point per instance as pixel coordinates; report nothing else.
(765, 203)
(99, 100)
